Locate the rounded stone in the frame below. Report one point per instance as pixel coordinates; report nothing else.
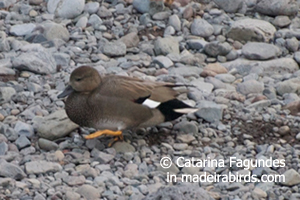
(68, 9)
(201, 27)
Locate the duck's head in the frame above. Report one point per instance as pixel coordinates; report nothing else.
(83, 79)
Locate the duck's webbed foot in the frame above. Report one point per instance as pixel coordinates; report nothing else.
(104, 132)
(116, 139)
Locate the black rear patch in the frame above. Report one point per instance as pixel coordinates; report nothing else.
(167, 109)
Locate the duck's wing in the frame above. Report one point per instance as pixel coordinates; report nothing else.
(132, 93)
(137, 90)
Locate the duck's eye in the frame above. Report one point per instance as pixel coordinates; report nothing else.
(78, 79)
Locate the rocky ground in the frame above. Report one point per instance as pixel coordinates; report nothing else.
(241, 57)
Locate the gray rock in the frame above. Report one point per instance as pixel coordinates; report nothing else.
(4, 45)
(174, 21)
(260, 51)
(230, 6)
(82, 22)
(156, 7)
(121, 9)
(142, 6)
(288, 86)
(266, 186)
(6, 93)
(66, 8)
(116, 48)
(23, 142)
(270, 93)
(297, 57)
(292, 44)
(5, 63)
(33, 87)
(187, 191)
(215, 49)
(131, 170)
(204, 87)
(3, 148)
(25, 9)
(298, 136)
(95, 21)
(173, 169)
(22, 29)
(234, 186)
(62, 59)
(53, 126)
(131, 40)
(11, 170)
(104, 12)
(290, 97)
(250, 86)
(292, 178)
(36, 59)
(38, 197)
(163, 61)
(201, 27)
(232, 55)
(210, 111)
(89, 192)
(287, 33)
(218, 84)
(251, 30)
(196, 44)
(146, 19)
(259, 105)
(187, 138)
(281, 21)
(164, 46)
(277, 7)
(74, 180)
(24, 129)
(36, 36)
(41, 167)
(102, 157)
(295, 196)
(281, 65)
(70, 195)
(161, 15)
(123, 147)
(53, 31)
(186, 127)
(7, 3)
(226, 78)
(188, 58)
(180, 146)
(47, 145)
(91, 7)
(186, 71)
(9, 132)
(143, 189)
(6, 71)
(266, 68)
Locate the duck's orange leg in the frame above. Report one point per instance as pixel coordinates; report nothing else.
(104, 132)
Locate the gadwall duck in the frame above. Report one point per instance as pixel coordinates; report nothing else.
(111, 104)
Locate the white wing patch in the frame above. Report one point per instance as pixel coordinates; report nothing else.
(186, 110)
(150, 103)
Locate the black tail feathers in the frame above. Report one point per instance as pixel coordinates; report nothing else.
(174, 108)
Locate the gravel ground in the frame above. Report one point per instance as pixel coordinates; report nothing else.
(241, 59)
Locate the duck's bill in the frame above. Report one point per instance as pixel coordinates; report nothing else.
(68, 90)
